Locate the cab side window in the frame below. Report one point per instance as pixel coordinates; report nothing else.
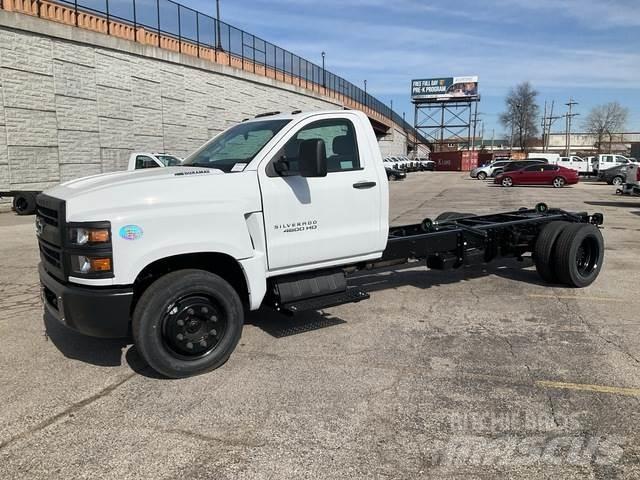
(142, 161)
(340, 142)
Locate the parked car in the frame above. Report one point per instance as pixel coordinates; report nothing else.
(425, 164)
(538, 174)
(608, 160)
(390, 162)
(518, 165)
(549, 157)
(481, 173)
(394, 173)
(581, 165)
(139, 160)
(614, 176)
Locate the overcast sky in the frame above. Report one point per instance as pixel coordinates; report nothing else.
(589, 49)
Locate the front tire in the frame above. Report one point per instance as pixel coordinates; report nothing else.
(187, 322)
(507, 182)
(617, 181)
(482, 176)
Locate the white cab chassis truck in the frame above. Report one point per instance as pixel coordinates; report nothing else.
(276, 211)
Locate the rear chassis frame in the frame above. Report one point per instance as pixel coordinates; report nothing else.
(472, 240)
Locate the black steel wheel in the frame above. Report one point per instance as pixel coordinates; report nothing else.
(482, 176)
(544, 249)
(187, 322)
(579, 254)
(193, 326)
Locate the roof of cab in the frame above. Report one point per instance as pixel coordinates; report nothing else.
(295, 114)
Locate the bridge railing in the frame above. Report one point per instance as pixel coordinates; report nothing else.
(173, 26)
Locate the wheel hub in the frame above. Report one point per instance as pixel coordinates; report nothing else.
(193, 326)
(586, 256)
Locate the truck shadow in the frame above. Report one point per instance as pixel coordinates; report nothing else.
(415, 275)
(74, 345)
(629, 204)
(279, 325)
(109, 352)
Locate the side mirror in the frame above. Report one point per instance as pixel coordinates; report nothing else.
(313, 158)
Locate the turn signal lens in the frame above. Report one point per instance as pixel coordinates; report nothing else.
(100, 264)
(83, 264)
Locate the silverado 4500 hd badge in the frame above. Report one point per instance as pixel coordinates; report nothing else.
(296, 226)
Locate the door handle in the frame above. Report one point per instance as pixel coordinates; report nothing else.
(361, 185)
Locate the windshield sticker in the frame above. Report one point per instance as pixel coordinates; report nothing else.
(238, 167)
(131, 232)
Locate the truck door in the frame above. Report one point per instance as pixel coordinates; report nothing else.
(313, 220)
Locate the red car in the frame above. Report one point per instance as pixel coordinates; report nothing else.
(542, 174)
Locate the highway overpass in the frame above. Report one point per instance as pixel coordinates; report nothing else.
(80, 90)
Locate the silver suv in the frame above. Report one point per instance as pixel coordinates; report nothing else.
(481, 173)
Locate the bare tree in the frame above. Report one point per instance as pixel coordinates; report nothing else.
(605, 120)
(521, 115)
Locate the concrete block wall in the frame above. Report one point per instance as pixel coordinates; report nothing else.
(76, 103)
(393, 144)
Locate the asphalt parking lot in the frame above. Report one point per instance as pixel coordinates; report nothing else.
(479, 373)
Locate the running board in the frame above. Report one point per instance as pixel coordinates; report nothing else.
(350, 295)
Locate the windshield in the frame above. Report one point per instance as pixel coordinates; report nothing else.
(169, 160)
(232, 150)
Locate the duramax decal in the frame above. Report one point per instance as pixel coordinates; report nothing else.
(296, 226)
(191, 172)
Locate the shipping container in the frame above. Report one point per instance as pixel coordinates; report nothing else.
(460, 161)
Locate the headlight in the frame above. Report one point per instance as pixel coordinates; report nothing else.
(85, 264)
(89, 235)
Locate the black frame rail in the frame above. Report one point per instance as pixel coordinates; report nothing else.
(470, 240)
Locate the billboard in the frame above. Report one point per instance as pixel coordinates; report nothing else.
(444, 89)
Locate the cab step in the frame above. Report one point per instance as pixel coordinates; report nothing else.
(350, 295)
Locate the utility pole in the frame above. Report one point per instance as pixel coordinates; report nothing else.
(569, 115)
(544, 127)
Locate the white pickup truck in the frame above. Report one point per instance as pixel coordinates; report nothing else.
(608, 160)
(276, 211)
(581, 165)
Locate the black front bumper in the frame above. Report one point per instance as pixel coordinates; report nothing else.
(95, 311)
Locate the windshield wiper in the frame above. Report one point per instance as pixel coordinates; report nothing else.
(196, 164)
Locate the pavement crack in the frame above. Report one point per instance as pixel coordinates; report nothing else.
(66, 412)
(592, 331)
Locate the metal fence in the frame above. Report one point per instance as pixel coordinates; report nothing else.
(169, 19)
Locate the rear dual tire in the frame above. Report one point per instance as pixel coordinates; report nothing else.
(569, 253)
